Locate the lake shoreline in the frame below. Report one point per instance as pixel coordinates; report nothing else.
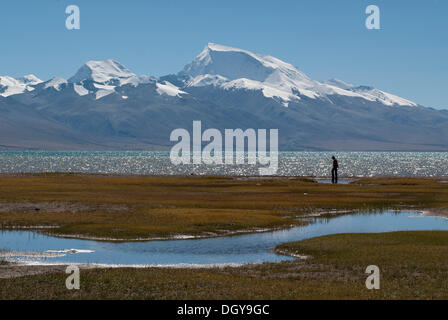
(186, 256)
(335, 269)
(120, 208)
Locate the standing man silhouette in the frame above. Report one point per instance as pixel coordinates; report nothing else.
(334, 171)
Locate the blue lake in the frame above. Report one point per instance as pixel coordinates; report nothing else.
(315, 164)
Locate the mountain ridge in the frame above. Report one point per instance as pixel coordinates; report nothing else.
(107, 106)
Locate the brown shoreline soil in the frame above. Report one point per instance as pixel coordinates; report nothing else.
(10, 270)
(436, 212)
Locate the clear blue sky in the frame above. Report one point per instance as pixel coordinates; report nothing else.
(325, 39)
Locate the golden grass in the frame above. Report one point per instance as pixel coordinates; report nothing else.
(162, 206)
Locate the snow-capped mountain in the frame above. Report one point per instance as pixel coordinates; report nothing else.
(10, 86)
(217, 65)
(105, 106)
(232, 68)
(55, 83)
(371, 93)
(102, 77)
(107, 72)
(167, 88)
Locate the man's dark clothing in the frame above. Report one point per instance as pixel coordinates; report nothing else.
(334, 171)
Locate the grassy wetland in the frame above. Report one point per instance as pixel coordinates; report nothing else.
(130, 207)
(414, 265)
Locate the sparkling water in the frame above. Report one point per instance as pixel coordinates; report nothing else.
(317, 164)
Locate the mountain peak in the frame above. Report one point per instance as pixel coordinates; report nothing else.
(10, 86)
(234, 63)
(102, 72)
(230, 67)
(30, 79)
(219, 47)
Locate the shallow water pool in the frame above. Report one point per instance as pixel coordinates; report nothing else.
(340, 181)
(250, 248)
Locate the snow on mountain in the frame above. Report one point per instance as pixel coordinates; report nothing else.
(234, 63)
(80, 90)
(101, 78)
(339, 83)
(236, 68)
(233, 68)
(103, 90)
(106, 76)
(206, 80)
(217, 65)
(372, 94)
(30, 79)
(105, 105)
(167, 88)
(55, 83)
(388, 99)
(229, 67)
(10, 86)
(104, 72)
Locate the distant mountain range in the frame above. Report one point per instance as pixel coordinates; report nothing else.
(105, 106)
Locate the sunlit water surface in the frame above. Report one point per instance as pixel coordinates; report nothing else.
(318, 164)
